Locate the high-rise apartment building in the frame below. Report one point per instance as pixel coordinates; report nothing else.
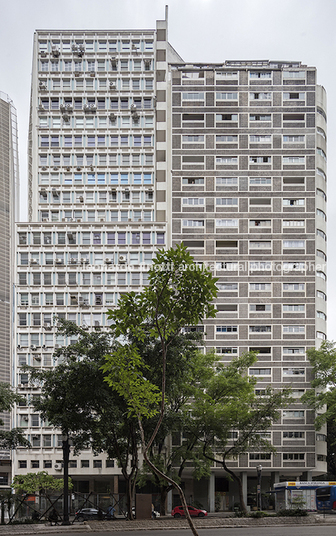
(132, 149)
(9, 183)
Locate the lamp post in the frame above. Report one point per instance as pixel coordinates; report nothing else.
(259, 469)
(66, 451)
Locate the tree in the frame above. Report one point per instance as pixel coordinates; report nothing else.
(322, 396)
(179, 294)
(229, 418)
(10, 439)
(38, 482)
(76, 399)
(188, 370)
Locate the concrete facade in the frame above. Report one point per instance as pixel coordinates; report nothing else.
(133, 149)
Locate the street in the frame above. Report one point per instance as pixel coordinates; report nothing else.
(299, 530)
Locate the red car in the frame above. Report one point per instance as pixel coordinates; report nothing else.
(194, 512)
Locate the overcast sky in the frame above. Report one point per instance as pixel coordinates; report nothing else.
(200, 30)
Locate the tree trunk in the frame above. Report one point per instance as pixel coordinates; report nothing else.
(163, 497)
(240, 487)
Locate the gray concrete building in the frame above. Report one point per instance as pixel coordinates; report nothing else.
(9, 183)
(132, 149)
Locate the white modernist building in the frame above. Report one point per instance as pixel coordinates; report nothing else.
(131, 149)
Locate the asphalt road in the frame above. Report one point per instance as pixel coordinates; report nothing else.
(297, 530)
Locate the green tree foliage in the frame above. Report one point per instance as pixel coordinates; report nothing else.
(229, 418)
(178, 295)
(9, 439)
(76, 399)
(32, 483)
(323, 392)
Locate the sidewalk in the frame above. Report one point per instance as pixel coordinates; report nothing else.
(167, 522)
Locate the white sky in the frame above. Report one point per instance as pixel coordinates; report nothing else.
(200, 30)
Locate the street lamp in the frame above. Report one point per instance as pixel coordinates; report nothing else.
(259, 469)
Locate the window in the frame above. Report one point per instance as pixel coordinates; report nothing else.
(192, 180)
(260, 329)
(260, 286)
(227, 201)
(293, 243)
(293, 159)
(293, 202)
(192, 138)
(232, 350)
(226, 329)
(293, 223)
(321, 274)
(293, 371)
(293, 329)
(292, 414)
(226, 117)
(291, 308)
(260, 456)
(260, 307)
(260, 96)
(227, 181)
(290, 287)
(293, 456)
(193, 96)
(320, 233)
(293, 139)
(97, 464)
(293, 435)
(193, 223)
(193, 201)
(226, 159)
(259, 244)
(260, 181)
(260, 139)
(260, 117)
(226, 96)
(260, 159)
(322, 295)
(226, 223)
(259, 371)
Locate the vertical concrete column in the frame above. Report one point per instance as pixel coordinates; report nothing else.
(211, 493)
(307, 476)
(169, 502)
(275, 478)
(243, 476)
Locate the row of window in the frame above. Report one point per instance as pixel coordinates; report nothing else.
(48, 464)
(255, 244)
(295, 328)
(82, 278)
(67, 105)
(98, 178)
(89, 84)
(233, 75)
(90, 44)
(233, 95)
(87, 238)
(253, 181)
(253, 117)
(87, 140)
(233, 160)
(74, 298)
(96, 216)
(253, 138)
(91, 66)
(100, 196)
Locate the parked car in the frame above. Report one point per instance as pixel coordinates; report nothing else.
(90, 513)
(194, 512)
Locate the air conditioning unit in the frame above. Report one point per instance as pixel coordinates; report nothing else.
(108, 261)
(55, 192)
(97, 324)
(122, 258)
(47, 326)
(73, 261)
(33, 261)
(81, 199)
(79, 220)
(43, 54)
(92, 73)
(84, 261)
(102, 219)
(133, 107)
(63, 219)
(78, 73)
(62, 107)
(85, 327)
(86, 107)
(66, 117)
(33, 348)
(44, 168)
(112, 117)
(55, 52)
(112, 85)
(37, 357)
(42, 86)
(78, 168)
(68, 107)
(68, 169)
(45, 219)
(58, 466)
